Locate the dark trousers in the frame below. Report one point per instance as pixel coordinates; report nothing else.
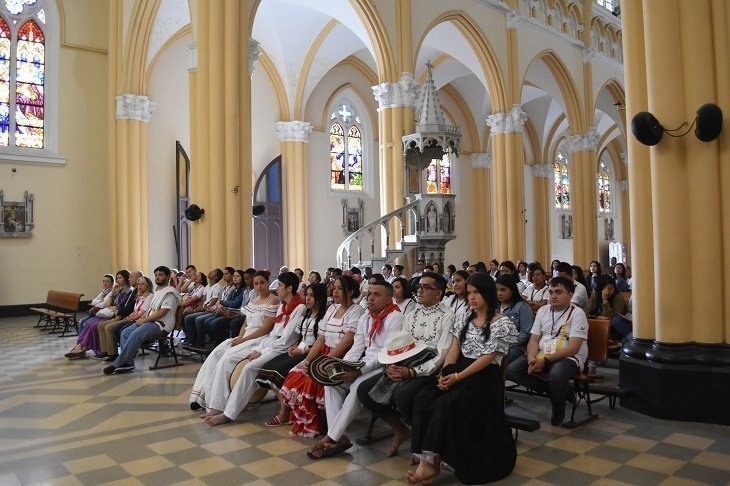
(190, 327)
(118, 333)
(218, 329)
(236, 325)
(403, 397)
(620, 328)
(560, 374)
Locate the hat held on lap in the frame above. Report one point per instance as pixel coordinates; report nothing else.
(398, 347)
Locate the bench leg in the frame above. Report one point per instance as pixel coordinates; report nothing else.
(369, 438)
(582, 393)
(166, 349)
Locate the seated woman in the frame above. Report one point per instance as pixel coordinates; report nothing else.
(513, 306)
(457, 301)
(460, 419)
(304, 396)
(605, 302)
(273, 374)
(226, 400)
(260, 314)
(107, 283)
(402, 295)
(193, 298)
(89, 335)
(217, 326)
(107, 335)
(622, 284)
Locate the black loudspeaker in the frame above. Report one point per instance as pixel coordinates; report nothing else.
(646, 128)
(709, 122)
(259, 209)
(194, 212)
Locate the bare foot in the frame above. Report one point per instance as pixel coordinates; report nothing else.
(211, 413)
(398, 437)
(217, 420)
(425, 474)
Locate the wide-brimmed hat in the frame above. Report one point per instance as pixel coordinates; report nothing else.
(398, 347)
(327, 370)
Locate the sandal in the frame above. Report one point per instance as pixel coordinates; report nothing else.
(276, 422)
(329, 449)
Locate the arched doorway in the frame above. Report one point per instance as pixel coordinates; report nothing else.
(268, 234)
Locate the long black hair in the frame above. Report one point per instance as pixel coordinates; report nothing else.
(510, 283)
(485, 285)
(319, 290)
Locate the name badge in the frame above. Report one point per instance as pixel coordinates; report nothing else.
(551, 345)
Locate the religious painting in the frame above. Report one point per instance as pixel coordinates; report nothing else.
(16, 217)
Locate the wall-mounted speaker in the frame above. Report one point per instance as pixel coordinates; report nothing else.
(194, 212)
(709, 122)
(646, 128)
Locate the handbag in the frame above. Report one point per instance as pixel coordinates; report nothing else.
(93, 311)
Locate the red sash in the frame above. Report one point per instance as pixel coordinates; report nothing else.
(378, 324)
(287, 309)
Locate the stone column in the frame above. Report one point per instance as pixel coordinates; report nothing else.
(623, 188)
(130, 240)
(221, 136)
(481, 210)
(542, 207)
(294, 140)
(680, 214)
(582, 169)
(508, 189)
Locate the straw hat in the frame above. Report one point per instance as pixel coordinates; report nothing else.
(325, 370)
(398, 347)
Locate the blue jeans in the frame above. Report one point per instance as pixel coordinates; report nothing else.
(192, 332)
(132, 339)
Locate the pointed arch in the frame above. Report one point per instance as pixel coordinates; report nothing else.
(483, 50)
(568, 91)
(144, 15)
(384, 59)
(277, 83)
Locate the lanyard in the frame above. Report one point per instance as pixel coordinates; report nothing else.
(552, 312)
(542, 293)
(458, 303)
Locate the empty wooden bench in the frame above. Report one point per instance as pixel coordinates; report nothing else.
(59, 311)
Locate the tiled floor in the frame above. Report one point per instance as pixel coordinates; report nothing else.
(63, 422)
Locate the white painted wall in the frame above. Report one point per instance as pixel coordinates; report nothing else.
(264, 115)
(168, 87)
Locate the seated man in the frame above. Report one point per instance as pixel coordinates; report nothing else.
(383, 319)
(580, 295)
(557, 348)
(160, 318)
(429, 324)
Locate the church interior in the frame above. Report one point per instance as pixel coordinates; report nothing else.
(338, 133)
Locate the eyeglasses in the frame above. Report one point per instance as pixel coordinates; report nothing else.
(425, 287)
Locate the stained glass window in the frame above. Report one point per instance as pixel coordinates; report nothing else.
(604, 188)
(22, 74)
(4, 83)
(438, 176)
(346, 162)
(29, 87)
(561, 181)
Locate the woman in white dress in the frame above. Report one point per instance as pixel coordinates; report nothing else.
(457, 301)
(260, 314)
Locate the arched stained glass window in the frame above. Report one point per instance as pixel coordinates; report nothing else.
(4, 83)
(346, 159)
(605, 198)
(561, 181)
(22, 74)
(29, 86)
(438, 176)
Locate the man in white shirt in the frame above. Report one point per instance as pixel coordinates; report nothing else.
(580, 296)
(341, 402)
(430, 324)
(536, 294)
(160, 318)
(420, 265)
(557, 347)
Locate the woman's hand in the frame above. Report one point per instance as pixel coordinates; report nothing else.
(294, 350)
(253, 356)
(236, 341)
(446, 382)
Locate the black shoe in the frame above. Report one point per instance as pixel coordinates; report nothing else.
(558, 416)
(126, 368)
(195, 406)
(76, 355)
(109, 370)
(101, 355)
(111, 358)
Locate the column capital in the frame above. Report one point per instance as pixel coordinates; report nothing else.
(134, 107)
(254, 54)
(588, 53)
(512, 18)
(481, 160)
(582, 142)
(293, 131)
(510, 122)
(192, 52)
(404, 93)
(542, 170)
